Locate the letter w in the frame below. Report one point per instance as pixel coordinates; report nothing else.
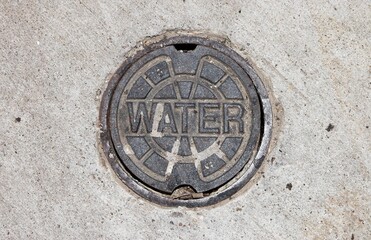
(141, 115)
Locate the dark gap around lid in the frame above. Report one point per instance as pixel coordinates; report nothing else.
(185, 47)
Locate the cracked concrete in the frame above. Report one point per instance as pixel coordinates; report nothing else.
(55, 56)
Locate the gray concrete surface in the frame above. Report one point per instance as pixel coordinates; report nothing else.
(56, 55)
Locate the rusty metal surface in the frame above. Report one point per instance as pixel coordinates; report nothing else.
(185, 122)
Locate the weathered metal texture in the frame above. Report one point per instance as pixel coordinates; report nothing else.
(185, 122)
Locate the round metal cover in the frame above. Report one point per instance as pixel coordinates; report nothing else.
(185, 122)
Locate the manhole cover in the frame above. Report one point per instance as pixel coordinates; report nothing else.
(185, 122)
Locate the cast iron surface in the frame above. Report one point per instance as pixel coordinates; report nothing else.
(185, 122)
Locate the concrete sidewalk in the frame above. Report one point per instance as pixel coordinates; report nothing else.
(56, 56)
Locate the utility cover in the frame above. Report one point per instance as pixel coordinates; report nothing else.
(182, 119)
